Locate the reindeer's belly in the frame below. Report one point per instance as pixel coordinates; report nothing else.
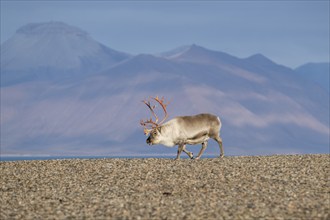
(198, 138)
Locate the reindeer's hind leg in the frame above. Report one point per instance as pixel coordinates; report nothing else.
(204, 145)
(219, 140)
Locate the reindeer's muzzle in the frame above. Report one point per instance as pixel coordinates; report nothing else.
(148, 141)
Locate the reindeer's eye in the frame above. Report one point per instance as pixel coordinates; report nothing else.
(154, 133)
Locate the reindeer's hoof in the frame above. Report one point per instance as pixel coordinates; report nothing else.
(222, 156)
(197, 158)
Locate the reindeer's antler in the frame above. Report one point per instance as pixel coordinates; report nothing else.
(150, 123)
(161, 102)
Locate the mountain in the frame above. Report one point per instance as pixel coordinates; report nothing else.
(316, 72)
(197, 54)
(265, 108)
(53, 50)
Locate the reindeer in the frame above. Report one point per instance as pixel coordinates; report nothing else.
(182, 130)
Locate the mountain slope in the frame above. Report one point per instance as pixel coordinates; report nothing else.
(53, 50)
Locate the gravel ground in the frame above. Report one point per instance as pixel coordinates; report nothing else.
(265, 187)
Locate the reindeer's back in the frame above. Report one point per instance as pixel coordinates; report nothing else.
(200, 123)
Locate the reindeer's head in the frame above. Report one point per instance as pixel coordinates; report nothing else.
(153, 128)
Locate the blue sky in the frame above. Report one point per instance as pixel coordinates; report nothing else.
(289, 32)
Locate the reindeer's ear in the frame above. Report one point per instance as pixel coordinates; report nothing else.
(159, 129)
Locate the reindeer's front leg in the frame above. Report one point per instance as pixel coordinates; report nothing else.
(180, 149)
(190, 154)
(204, 145)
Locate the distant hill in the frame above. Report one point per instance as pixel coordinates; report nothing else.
(53, 50)
(316, 72)
(265, 107)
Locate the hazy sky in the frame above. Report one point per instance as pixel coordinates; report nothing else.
(289, 32)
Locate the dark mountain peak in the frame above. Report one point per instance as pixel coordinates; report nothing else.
(263, 62)
(53, 27)
(259, 58)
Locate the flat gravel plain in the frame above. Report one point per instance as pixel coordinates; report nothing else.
(247, 187)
